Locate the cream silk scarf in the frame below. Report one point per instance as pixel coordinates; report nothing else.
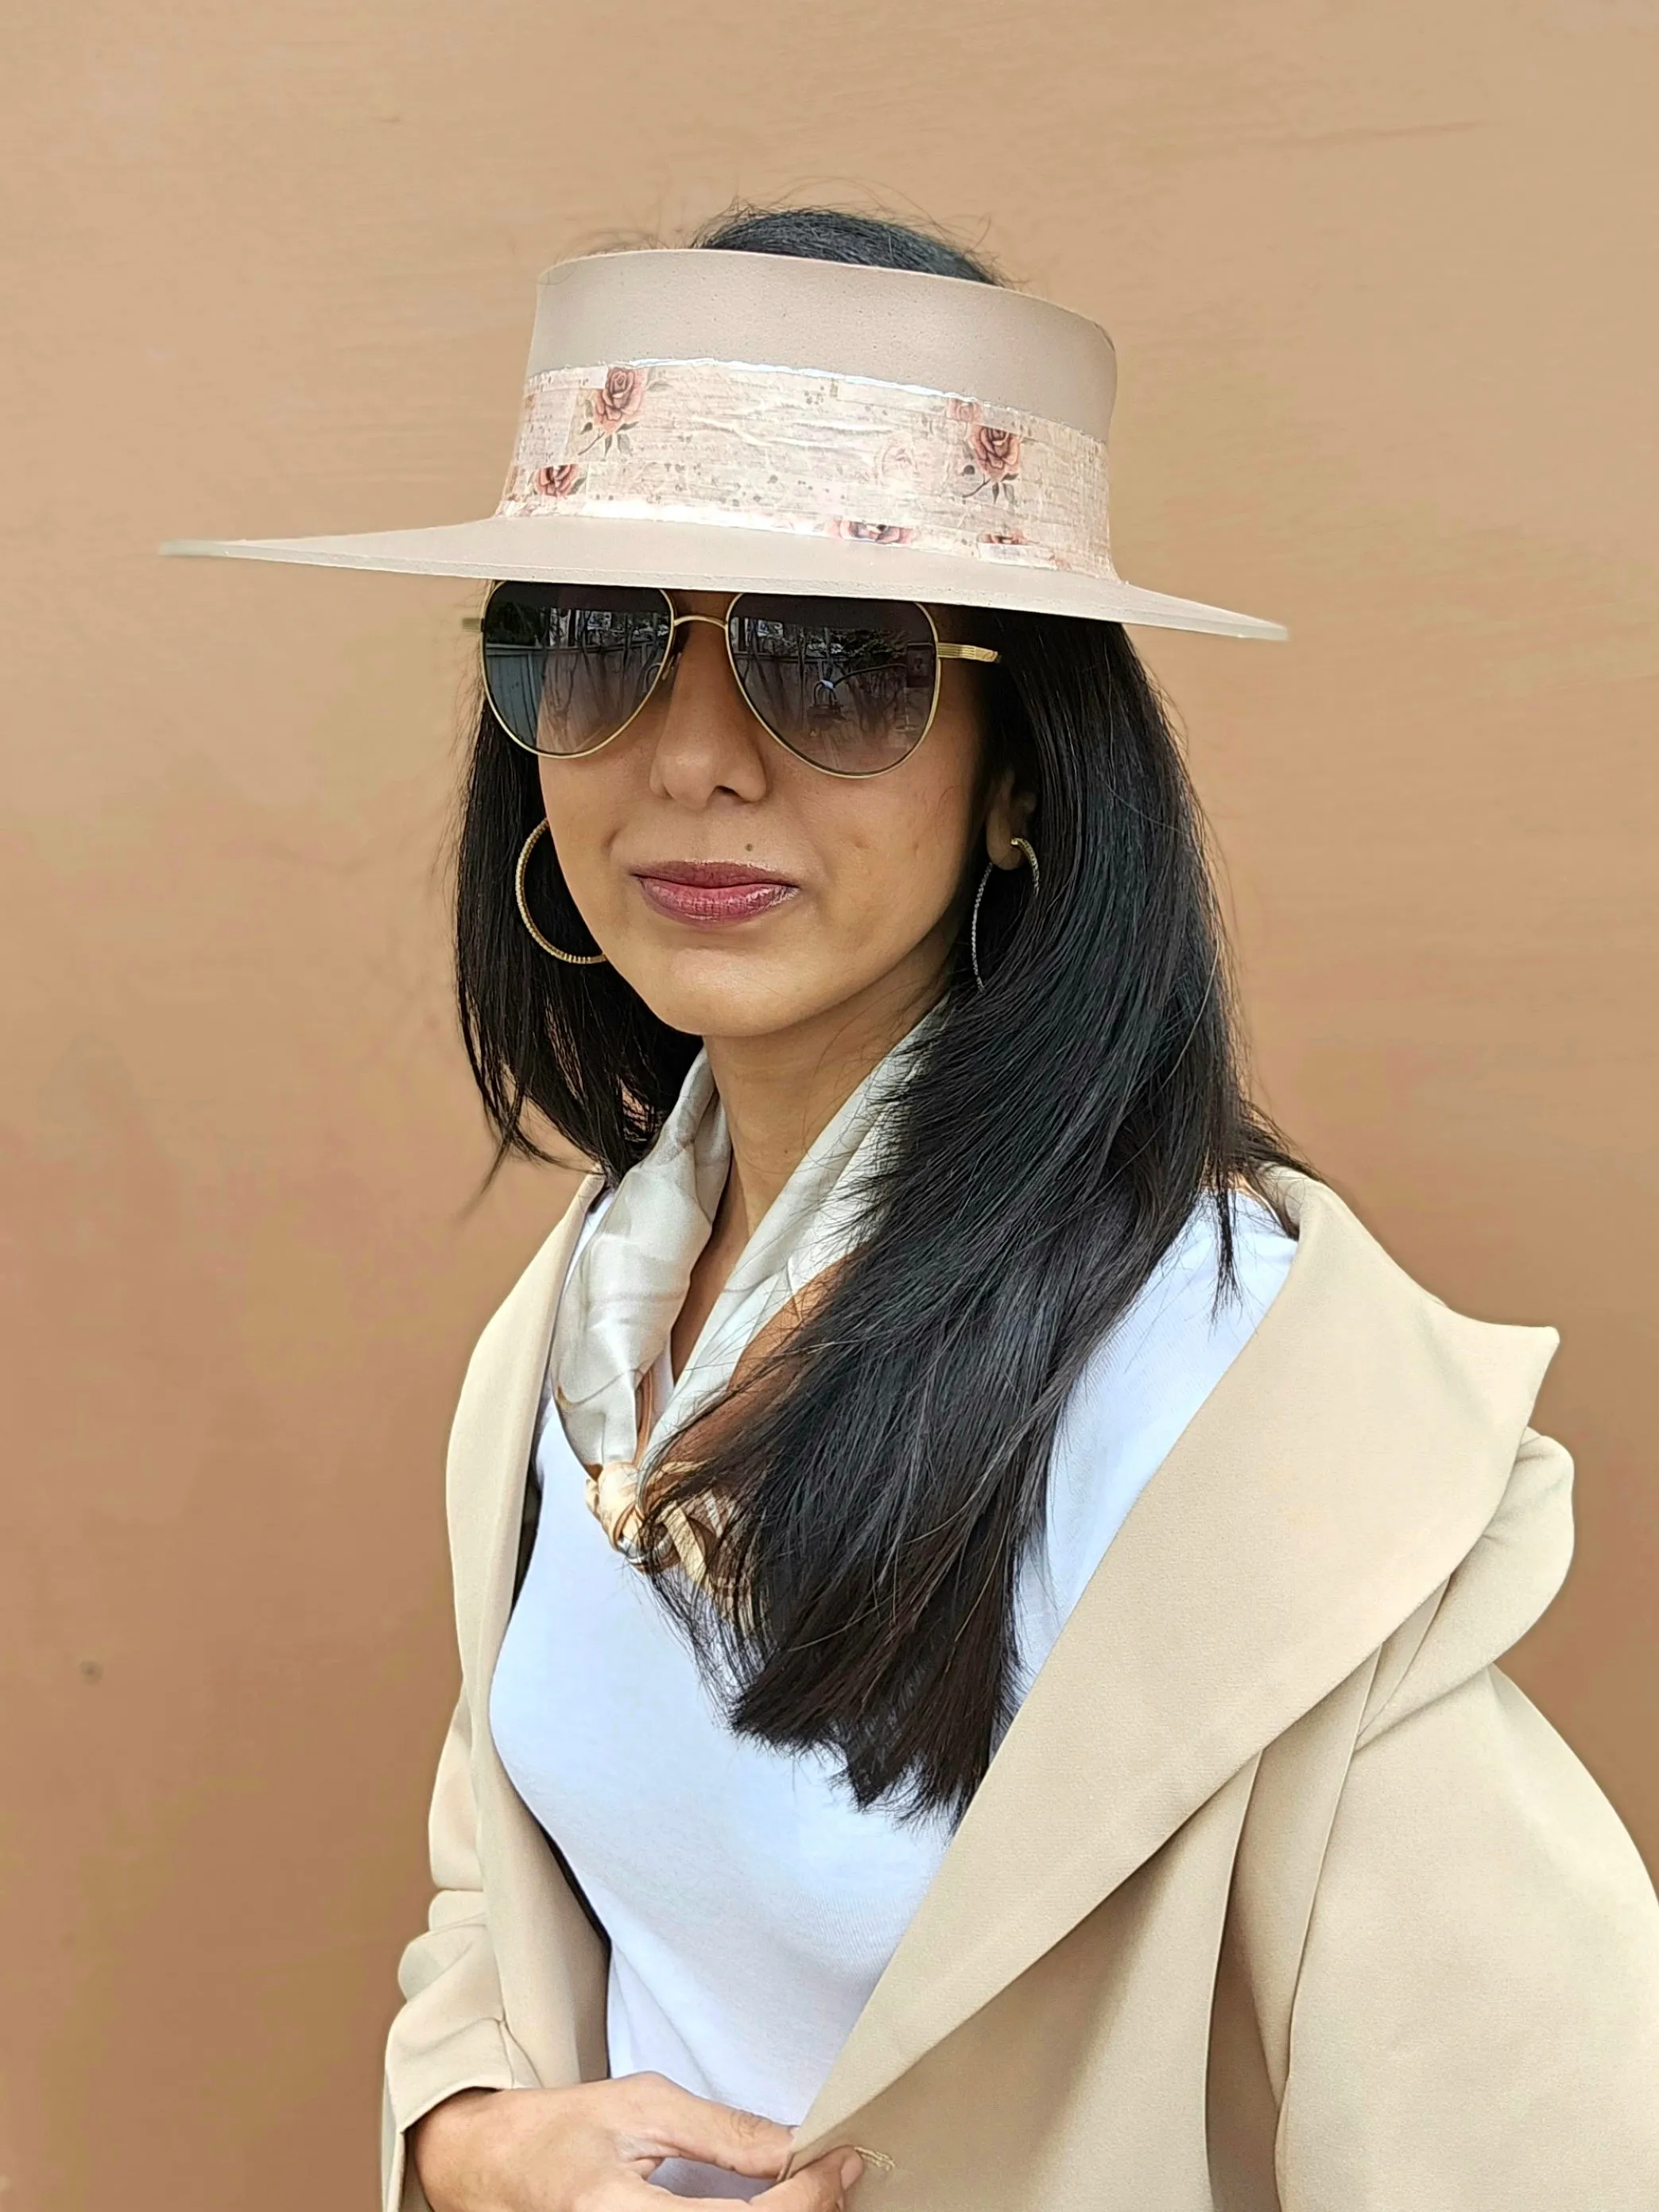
(609, 1366)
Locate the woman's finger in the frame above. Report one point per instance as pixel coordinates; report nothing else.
(820, 2187)
(658, 2119)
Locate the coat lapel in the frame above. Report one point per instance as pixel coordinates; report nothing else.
(1344, 1464)
(491, 1442)
(550, 1962)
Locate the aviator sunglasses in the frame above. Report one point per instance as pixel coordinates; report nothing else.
(850, 686)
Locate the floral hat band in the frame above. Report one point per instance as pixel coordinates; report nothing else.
(724, 443)
(702, 420)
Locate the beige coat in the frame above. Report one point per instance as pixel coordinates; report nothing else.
(1278, 1897)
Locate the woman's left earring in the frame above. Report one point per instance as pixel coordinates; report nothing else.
(571, 959)
(1020, 845)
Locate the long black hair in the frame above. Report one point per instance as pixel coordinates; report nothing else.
(882, 1472)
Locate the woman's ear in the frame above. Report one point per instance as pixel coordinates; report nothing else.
(1007, 816)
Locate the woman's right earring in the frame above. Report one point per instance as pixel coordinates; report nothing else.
(571, 959)
(1021, 845)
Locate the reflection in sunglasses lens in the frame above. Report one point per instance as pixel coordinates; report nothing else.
(568, 665)
(847, 683)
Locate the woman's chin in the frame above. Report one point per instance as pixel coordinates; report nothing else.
(726, 991)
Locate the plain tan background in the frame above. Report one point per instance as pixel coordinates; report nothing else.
(1382, 283)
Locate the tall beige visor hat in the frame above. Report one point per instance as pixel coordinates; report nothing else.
(708, 421)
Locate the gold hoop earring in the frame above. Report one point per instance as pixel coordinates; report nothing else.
(572, 959)
(1020, 845)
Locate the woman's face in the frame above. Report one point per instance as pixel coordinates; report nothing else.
(742, 891)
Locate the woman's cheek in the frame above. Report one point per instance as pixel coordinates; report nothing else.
(580, 839)
(893, 900)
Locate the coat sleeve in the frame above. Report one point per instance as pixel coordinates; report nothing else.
(451, 2033)
(1476, 2020)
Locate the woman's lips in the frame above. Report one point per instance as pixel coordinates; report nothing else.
(711, 891)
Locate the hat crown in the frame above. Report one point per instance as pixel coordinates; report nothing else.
(944, 334)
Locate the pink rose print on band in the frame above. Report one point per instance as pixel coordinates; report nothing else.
(618, 402)
(993, 458)
(557, 481)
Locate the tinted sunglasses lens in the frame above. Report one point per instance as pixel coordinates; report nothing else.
(847, 683)
(566, 665)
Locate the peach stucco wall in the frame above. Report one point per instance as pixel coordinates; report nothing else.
(1382, 281)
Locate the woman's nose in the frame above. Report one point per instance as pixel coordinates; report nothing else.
(707, 738)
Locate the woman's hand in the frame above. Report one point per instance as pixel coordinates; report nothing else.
(591, 2149)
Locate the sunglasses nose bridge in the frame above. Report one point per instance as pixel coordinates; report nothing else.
(674, 643)
(673, 652)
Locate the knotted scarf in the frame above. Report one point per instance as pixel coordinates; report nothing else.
(613, 1388)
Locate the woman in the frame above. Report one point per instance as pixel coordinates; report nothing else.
(978, 1584)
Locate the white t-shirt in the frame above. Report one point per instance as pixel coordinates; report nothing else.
(750, 1904)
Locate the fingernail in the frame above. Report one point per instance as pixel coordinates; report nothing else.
(851, 2167)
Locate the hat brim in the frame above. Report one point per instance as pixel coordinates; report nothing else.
(708, 557)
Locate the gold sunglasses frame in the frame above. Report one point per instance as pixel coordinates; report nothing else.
(943, 650)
